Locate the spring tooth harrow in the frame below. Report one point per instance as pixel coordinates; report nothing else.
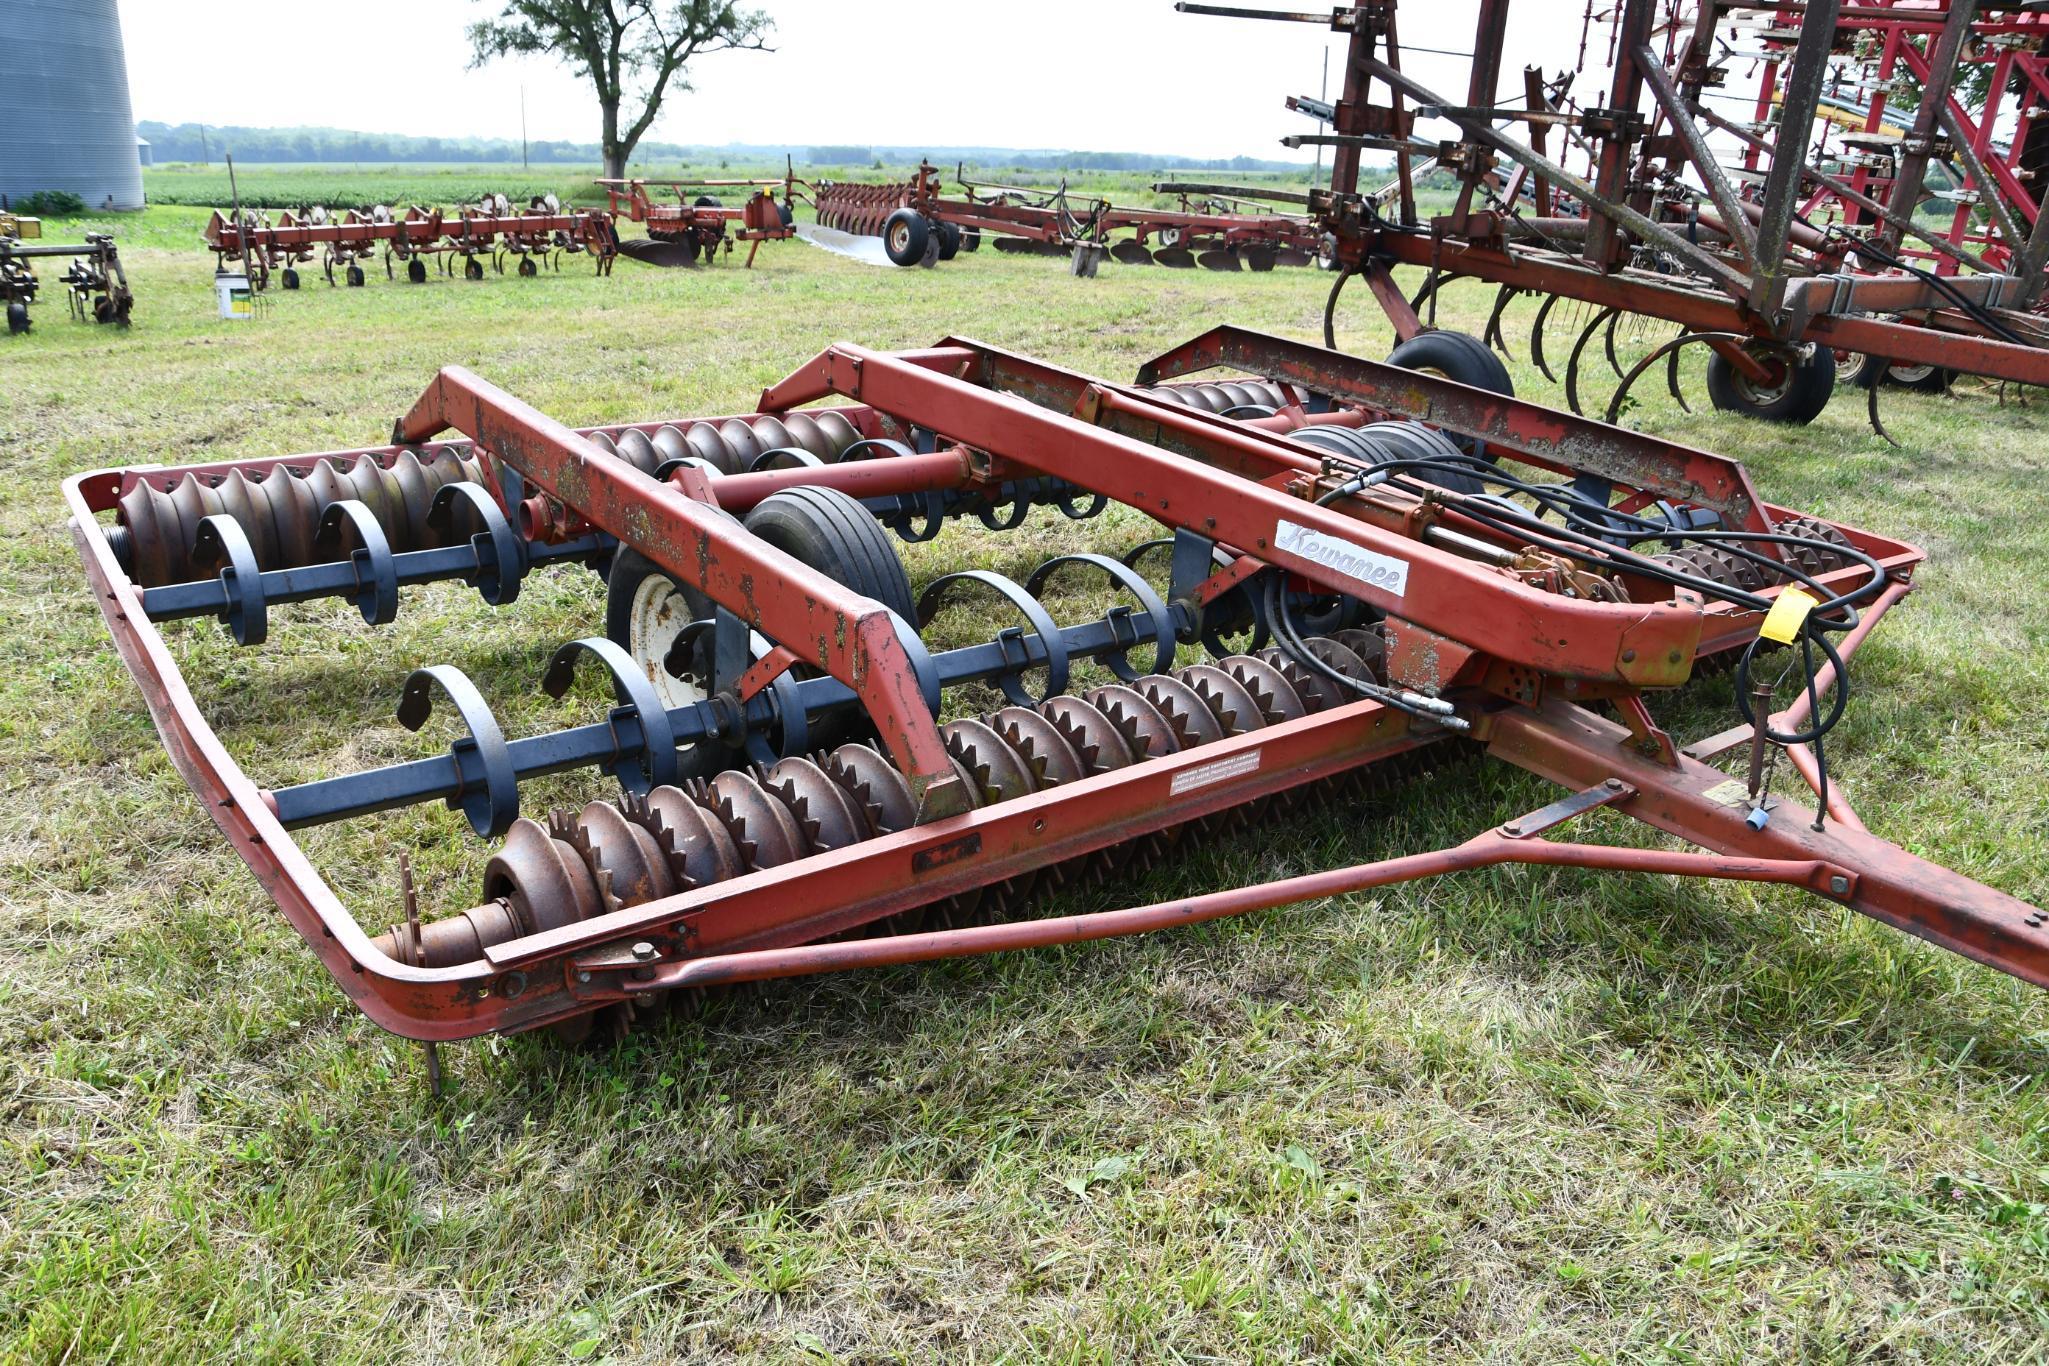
(1615, 213)
(1363, 572)
(1214, 227)
(95, 284)
(491, 230)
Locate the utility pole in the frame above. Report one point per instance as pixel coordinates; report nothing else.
(205, 156)
(522, 126)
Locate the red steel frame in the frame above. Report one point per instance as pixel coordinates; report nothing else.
(417, 232)
(705, 226)
(1517, 661)
(1751, 284)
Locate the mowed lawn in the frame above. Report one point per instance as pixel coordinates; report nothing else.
(1520, 1115)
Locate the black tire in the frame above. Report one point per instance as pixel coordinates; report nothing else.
(835, 535)
(354, 276)
(416, 271)
(705, 201)
(1926, 379)
(905, 235)
(1801, 390)
(17, 318)
(949, 241)
(1857, 370)
(1456, 356)
(289, 278)
(970, 239)
(527, 268)
(103, 310)
(472, 269)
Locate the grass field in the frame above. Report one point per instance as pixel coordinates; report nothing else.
(1525, 1115)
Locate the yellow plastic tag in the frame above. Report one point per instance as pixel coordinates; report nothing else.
(1790, 609)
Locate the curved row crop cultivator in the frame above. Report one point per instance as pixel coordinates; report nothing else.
(463, 239)
(1213, 227)
(695, 227)
(1689, 228)
(1361, 570)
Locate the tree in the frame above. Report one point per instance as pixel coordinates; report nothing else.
(631, 50)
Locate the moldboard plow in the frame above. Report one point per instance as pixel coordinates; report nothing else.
(1362, 571)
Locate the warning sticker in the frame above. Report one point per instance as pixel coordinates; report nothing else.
(1787, 615)
(1354, 562)
(1202, 775)
(1731, 793)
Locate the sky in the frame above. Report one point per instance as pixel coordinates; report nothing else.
(1088, 75)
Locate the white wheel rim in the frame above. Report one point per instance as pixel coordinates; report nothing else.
(1911, 374)
(658, 616)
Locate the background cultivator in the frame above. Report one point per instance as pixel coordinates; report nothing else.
(1690, 228)
(920, 225)
(1352, 573)
(694, 229)
(463, 239)
(95, 285)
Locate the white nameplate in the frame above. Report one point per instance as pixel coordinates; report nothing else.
(1202, 775)
(1354, 562)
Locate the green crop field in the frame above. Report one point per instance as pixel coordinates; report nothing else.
(1520, 1115)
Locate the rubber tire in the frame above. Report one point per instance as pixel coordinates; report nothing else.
(289, 278)
(835, 535)
(949, 241)
(354, 276)
(473, 269)
(1458, 357)
(416, 271)
(622, 583)
(705, 201)
(970, 239)
(1936, 379)
(17, 318)
(527, 269)
(1807, 393)
(916, 234)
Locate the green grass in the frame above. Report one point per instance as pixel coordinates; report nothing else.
(1523, 1115)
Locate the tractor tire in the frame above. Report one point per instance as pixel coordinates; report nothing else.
(905, 235)
(949, 241)
(416, 271)
(1457, 357)
(354, 276)
(289, 278)
(1797, 397)
(970, 239)
(17, 318)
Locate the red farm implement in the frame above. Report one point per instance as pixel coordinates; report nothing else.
(695, 228)
(462, 239)
(920, 224)
(1362, 572)
(1660, 235)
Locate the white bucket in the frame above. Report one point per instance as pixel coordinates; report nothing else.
(236, 300)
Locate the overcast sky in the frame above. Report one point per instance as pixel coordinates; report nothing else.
(1093, 75)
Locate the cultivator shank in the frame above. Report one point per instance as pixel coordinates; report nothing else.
(1362, 573)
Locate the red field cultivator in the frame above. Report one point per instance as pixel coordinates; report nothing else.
(1363, 572)
(1663, 242)
(684, 233)
(493, 230)
(920, 224)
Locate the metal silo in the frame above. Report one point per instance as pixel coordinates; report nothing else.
(65, 122)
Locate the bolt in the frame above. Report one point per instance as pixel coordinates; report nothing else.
(1615, 784)
(643, 951)
(1839, 886)
(1629, 656)
(583, 978)
(1512, 828)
